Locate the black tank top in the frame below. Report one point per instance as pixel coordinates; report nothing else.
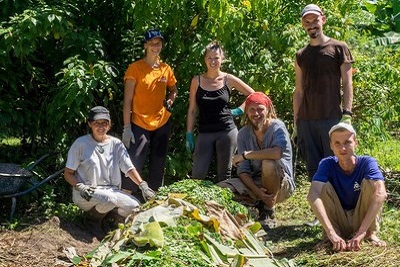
(214, 112)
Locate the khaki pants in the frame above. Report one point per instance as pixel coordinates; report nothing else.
(347, 223)
(237, 186)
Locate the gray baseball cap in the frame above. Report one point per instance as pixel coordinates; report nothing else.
(342, 126)
(99, 113)
(311, 9)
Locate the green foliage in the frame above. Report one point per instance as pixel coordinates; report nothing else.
(34, 45)
(200, 191)
(386, 153)
(70, 212)
(387, 15)
(181, 249)
(81, 85)
(59, 58)
(375, 88)
(187, 238)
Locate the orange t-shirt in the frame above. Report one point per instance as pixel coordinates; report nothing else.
(149, 94)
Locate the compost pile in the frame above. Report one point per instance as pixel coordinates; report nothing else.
(189, 223)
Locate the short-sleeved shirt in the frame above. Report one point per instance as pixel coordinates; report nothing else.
(320, 66)
(98, 164)
(148, 98)
(275, 136)
(347, 187)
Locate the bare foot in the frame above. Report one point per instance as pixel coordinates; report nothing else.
(375, 241)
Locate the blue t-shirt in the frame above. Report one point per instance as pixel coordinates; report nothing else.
(347, 187)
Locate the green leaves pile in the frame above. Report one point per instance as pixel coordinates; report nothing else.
(200, 191)
(174, 232)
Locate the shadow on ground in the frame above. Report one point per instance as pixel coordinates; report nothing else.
(287, 241)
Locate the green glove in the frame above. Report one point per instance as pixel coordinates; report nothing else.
(236, 112)
(346, 118)
(189, 141)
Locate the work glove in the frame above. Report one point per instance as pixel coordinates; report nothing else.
(147, 192)
(346, 118)
(127, 136)
(236, 112)
(86, 191)
(293, 137)
(189, 141)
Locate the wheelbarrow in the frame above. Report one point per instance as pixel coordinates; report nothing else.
(13, 177)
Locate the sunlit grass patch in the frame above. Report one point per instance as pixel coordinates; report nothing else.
(387, 154)
(10, 141)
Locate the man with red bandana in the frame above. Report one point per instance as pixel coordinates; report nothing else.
(264, 159)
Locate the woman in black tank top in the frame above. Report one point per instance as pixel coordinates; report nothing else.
(209, 97)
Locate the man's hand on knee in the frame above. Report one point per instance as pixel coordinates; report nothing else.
(268, 199)
(86, 191)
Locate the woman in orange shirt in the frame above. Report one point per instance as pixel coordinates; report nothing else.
(146, 110)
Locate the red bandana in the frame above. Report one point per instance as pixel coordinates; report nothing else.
(258, 98)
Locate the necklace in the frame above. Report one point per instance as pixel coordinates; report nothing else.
(101, 143)
(100, 149)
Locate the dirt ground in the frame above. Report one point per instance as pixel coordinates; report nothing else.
(44, 244)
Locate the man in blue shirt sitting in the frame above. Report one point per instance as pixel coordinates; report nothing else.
(347, 193)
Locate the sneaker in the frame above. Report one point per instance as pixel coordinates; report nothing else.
(268, 223)
(264, 212)
(267, 218)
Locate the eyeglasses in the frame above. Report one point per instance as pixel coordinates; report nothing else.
(100, 123)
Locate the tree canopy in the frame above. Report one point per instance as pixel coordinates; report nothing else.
(59, 58)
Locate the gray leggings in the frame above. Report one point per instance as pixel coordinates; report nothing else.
(223, 144)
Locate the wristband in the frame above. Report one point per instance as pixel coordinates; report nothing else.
(347, 112)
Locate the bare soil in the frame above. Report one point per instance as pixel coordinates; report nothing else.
(44, 244)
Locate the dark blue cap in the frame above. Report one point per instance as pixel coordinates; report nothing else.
(150, 34)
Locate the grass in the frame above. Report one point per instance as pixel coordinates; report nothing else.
(387, 153)
(293, 240)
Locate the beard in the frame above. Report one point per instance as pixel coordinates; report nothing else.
(257, 126)
(315, 34)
